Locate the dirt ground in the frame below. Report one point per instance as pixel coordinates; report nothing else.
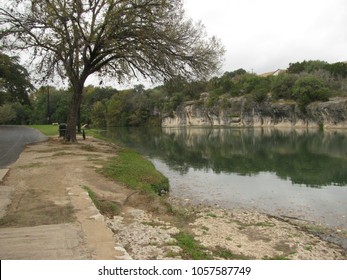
(48, 196)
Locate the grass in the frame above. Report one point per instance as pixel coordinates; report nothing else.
(133, 170)
(48, 130)
(106, 207)
(191, 248)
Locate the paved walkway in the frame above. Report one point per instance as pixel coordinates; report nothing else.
(48, 242)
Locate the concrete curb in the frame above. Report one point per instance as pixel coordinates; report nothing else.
(3, 173)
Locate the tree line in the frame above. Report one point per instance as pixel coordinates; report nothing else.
(303, 82)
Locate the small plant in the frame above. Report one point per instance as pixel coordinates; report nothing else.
(205, 228)
(308, 248)
(212, 215)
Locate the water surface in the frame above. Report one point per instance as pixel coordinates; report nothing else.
(296, 173)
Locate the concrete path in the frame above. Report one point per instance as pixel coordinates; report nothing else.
(3, 173)
(44, 186)
(48, 242)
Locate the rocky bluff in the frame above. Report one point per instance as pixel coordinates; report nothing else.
(244, 112)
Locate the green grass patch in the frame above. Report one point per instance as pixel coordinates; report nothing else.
(106, 207)
(191, 249)
(48, 130)
(133, 170)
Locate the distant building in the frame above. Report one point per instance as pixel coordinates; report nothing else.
(273, 73)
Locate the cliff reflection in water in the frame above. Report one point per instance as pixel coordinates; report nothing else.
(307, 157)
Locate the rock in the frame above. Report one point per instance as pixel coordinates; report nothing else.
(98, 217)
(240, 112)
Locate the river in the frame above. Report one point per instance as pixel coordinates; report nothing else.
(298, 173)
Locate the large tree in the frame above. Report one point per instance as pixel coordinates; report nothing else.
(14, 81)
(119, 38)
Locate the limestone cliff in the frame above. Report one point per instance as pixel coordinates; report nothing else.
(242, 112)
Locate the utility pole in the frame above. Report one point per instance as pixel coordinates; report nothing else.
(48, 109)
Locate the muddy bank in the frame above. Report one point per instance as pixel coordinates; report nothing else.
(49, 181)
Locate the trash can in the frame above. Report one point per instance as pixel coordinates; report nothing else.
(62, 129)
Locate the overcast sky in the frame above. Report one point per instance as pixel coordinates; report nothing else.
(264, 35)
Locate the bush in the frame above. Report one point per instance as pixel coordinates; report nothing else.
(308, 89)
(7, 113)
(282, 86)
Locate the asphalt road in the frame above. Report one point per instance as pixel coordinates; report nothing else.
(13, 139)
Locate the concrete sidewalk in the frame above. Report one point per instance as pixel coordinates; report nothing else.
(47, 242)
(41, 185)
(50, 242)
(5, 193)
(3, 173)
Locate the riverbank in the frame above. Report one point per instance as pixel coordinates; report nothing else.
(50, 183)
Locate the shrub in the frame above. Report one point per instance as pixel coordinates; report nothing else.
(282, 86)
(308, 89)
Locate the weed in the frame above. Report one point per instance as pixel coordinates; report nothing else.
(212, 215)
(308, 248)
(205, 228)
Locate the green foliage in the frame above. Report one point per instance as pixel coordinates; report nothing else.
(337, 70)
(192, 249)
(7, 113)
(137, 106)
(282, 86)
(306, 66)
(308, 89)
(135, 171)
(98, 113)
(261, 89)
(93, 107)
(14, 81)
(50, 105)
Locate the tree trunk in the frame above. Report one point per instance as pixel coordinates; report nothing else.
(79, 119)
(70, 135)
